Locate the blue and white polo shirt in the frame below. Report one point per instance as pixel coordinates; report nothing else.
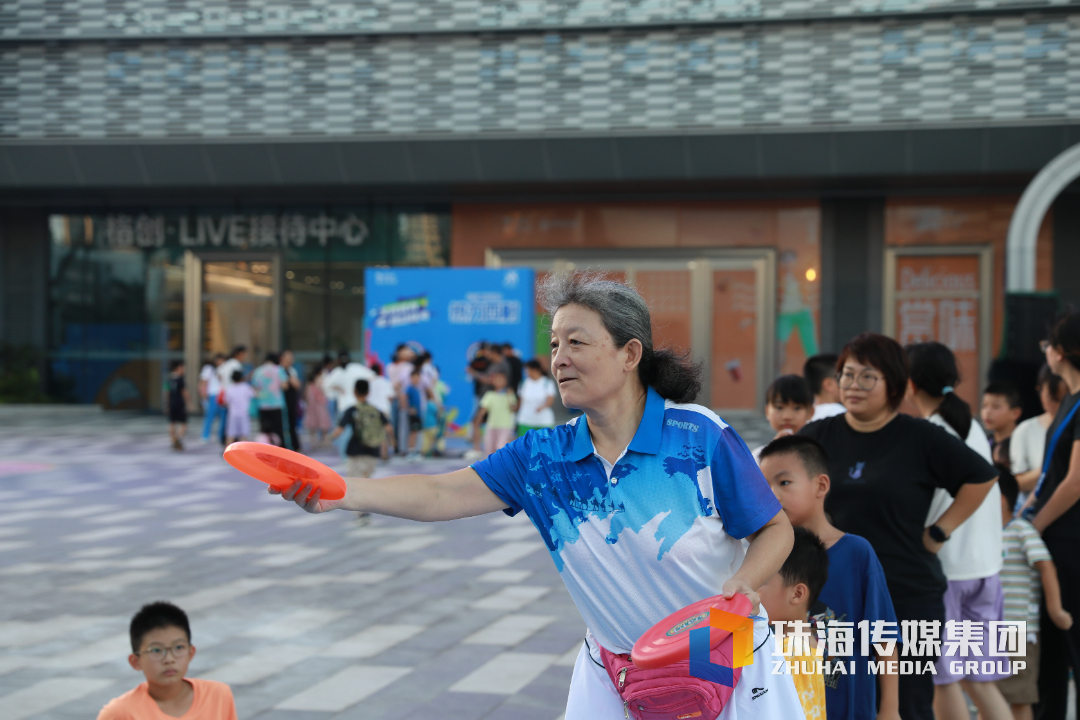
(660, 529)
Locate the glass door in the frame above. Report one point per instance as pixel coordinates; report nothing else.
(230, 300)
(238, 307)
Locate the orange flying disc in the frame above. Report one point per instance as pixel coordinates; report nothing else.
(280, 468)
(668, 641)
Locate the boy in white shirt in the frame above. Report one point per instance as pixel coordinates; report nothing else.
(536, 396)
(820, 372)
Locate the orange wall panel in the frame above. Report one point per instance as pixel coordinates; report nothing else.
(791, 227)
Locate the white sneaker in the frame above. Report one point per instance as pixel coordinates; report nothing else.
(473, 455)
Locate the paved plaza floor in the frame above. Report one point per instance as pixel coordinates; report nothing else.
(304, 616)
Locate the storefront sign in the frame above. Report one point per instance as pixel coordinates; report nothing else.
(233, 231)
(380, 235)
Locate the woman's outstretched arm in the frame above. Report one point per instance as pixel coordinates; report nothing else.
(426, 498)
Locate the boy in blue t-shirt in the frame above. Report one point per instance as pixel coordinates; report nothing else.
(797, 470)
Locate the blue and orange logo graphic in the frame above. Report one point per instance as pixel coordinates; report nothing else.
(742, 645)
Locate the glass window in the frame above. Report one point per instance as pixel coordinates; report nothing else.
(116, 317)
(347, 308)
(306, 308)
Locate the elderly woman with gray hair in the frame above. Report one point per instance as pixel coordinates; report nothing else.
(643, 501)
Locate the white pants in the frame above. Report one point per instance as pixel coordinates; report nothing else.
(758, 694)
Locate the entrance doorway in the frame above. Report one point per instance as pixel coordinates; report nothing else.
(718, 304)
(228, 301)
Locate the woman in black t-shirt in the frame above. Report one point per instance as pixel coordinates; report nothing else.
(1057, 517)
(884, 468)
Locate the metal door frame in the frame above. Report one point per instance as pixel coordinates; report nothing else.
(193, 306)
(700, 262)
(985, 294)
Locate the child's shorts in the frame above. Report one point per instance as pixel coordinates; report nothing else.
(177, 414)
(237, 425)
(983, 601)
(415, 424)
(1023, 687)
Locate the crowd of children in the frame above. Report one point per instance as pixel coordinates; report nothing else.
(997, 566)
(511, 398)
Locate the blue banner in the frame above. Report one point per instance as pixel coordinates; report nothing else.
(449, 311)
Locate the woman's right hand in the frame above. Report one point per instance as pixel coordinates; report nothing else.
(302, 494)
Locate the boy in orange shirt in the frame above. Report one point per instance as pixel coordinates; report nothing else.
(161, 650)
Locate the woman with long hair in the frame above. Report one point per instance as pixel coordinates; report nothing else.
(971, 560)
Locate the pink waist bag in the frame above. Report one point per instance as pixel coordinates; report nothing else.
(670, 693)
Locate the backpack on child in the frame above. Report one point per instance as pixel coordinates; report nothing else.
(369, 427)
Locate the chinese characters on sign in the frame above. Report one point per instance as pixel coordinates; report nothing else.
(954, 320)
(921, 641)
(236, 231)
(378, 235)
(938, 298)
(485, 309)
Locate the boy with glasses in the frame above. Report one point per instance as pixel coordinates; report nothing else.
(161, 650)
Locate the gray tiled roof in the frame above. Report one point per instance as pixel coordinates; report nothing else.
(102, 18)
(839, 73)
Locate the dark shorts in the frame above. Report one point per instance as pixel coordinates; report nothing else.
(415, 424)
(177, 414)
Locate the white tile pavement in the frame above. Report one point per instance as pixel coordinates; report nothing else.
(345, 688)
(510, 630)
(512, 597)
(47, 694)
(506, 554)
(505, 674)
(371, 641)
(267, 662)
(290, 625)
(112, 583)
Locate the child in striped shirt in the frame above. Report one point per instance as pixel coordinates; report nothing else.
(1027, 566)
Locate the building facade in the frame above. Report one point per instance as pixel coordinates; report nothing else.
(773, 176)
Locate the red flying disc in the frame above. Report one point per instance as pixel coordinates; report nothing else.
(280, 468)
(668, 641)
